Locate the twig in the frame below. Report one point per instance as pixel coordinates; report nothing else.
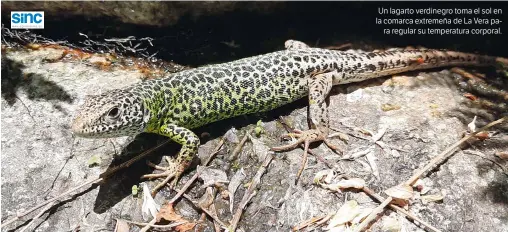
(307, 223)
(22, 214)
(239, 147)
(36, 217)
(210, 214)
(350, 133)
(373, 215)
(339, 47)
(376, 196)
(133, 160)
(185, 187)
(149, 225)
(449, 151)
(479, 154)
(250, 193)
(465, 73)
(193, 178)
(101, 177)
(216, 225)
(154, 226)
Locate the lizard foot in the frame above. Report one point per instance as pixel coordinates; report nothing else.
(173, 171)
(305, 137)
(308, 136)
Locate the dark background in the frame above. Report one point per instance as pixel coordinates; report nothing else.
(199, 40)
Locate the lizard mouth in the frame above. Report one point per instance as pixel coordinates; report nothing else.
(78, 127)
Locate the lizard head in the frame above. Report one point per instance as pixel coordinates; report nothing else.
(112, 114)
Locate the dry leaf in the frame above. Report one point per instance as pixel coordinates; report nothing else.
(395, 153)
(403, 192)
(355, 183)
(471, 96)
(502, 155)
(431, 198)
(356, 154)
(324, 176)
(212, 177)
(185, 227)
(340, 135)
(236, 180)
(390, 107)
(207, 198)
(345, 214)
(482, 135)
(231, 136)
(472, 125)
(168, 213)
(362, 215)
(150, 207)
(380, 133)
(121, 226)
(364, 131)
(372, 162)
(340, 228)
(260, 149)
(391, 224)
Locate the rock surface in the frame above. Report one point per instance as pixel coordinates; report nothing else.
(41, 159)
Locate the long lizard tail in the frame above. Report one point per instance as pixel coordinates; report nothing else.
(378, 64)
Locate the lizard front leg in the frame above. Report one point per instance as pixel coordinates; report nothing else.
(319, 88)
(190, 144)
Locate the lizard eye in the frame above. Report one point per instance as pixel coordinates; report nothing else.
(114, 112)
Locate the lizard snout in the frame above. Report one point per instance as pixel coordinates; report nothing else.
(77, 126)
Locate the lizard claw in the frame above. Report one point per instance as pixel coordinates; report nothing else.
(305, 138)
(173, 171)
(309, 136)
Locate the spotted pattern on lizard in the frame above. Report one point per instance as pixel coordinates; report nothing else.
(182, 101)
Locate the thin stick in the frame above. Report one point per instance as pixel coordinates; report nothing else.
(239, 147)
(154, 226)
(131, 161)
(250, 193)
(210, 214)
(376, 196)
(339, 47)
(481, 155)
(36, 217)
(373, 214)
(22, 214)
(148, 225)
(101, 177)
(307, 223)
(449, 151)
(193, 178)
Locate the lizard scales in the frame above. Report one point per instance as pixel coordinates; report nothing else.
(173, 105)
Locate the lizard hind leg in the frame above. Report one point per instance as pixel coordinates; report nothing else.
(319, 88)
(295, 44)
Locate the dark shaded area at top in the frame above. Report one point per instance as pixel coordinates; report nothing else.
(198, 41)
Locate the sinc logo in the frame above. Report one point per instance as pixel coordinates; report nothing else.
(27, 19)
